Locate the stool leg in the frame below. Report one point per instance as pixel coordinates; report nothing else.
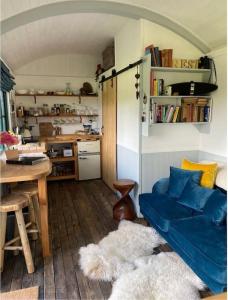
(3, 216)
(36, 211)
(16, 233)
(25, 241)
(32, 218)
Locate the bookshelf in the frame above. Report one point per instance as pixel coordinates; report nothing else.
(159, 109)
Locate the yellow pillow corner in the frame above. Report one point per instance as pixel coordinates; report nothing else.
(209, 172)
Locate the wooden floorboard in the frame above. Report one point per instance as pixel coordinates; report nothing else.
(79, 213)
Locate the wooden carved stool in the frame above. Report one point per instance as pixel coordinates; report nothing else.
(124, 208)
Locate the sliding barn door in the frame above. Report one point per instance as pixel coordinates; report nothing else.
(109, 111)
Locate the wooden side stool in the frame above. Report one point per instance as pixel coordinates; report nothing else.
(15, 203)
(30, 190)
(124, 208)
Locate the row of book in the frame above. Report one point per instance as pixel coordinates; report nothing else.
(156, 85)
(190, 110)
(160, 58)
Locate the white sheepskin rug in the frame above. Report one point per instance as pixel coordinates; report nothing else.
(115, 254)
(158, 277)
(125, 255)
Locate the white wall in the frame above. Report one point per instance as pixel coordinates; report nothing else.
(214, 138)
(52, 73)
(166, 137)
(128, 50)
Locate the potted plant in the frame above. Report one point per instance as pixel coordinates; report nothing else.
(7, 140)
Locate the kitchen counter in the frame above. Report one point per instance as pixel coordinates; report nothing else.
(84, 160)
(69, 138)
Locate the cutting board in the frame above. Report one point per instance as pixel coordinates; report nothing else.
(46, 129)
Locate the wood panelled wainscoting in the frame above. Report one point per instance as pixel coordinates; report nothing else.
(80, 213)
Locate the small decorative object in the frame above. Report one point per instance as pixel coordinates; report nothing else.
(68, 90)
(176, 63)
(184, 63)
(99, 71)
(193, 63)
(86, 89)
(137, 76)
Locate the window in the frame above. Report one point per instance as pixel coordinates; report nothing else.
(4, 122)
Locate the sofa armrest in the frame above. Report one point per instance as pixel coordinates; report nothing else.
(161, 186)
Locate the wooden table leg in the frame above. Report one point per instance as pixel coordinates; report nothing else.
(43, 201)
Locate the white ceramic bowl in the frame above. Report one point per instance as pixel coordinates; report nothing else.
(22, 92)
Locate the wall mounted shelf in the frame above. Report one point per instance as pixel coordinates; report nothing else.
(45, 95)
(164, 69)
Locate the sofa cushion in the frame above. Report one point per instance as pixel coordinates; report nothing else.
(209, 171)
(160, 208)
(203, 242)
(178, 179)
(195, 196)
(216, 207)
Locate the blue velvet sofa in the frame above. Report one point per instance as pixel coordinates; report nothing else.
(200, 242)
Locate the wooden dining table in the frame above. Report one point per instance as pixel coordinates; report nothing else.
(10, 173)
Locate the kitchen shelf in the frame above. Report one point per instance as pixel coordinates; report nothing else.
(62, 177)
(58, 159)
(59, 116)
(45, 95)
(186, 70)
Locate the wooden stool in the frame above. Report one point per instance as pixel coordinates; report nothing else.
(15, 203)
(30, 190)
(124, 208)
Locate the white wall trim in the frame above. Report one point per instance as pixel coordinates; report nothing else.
(108, 7)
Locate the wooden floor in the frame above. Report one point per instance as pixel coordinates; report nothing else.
(80, 213)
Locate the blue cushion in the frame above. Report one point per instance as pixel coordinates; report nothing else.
(161, 186)
(160, 208)
(204, 243)
(194, 195)
(178, 179)
(216, 207)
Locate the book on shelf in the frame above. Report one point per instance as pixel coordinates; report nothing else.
(176, 114)
(156, 85)
(167, 58)
(157, 56)
(195, 110)
(191, 109)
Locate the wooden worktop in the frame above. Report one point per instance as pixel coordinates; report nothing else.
(69, 138)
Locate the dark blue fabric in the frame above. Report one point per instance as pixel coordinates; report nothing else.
(205, 244)
(161, 186)
(195, 196)
(216, 207)
(213, 285)
(179, 178)
(161, 209)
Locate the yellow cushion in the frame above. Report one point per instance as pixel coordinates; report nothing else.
(209, 172)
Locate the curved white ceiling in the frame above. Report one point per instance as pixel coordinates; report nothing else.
(59, 35)
(202, 22)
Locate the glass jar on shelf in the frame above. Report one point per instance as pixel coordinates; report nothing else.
(68, 90)
(45, 109)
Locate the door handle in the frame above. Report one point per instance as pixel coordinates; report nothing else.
(83, 158)
(83, 151)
